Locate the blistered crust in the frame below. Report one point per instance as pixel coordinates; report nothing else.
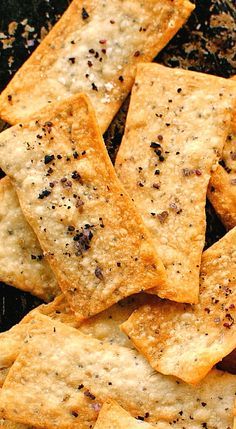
(22, 262)
(91, 234)
(94, 48)
(61, 378)
(175, 131)
(187, 341)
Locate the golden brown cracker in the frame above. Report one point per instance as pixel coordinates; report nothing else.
(89, 229)
(187, 341)
(222, 186)
(22, 262)
(94, 48)
(61, 378)
(175, 130)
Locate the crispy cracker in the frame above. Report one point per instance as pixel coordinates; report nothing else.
(187, 341)
(112, 416)
(91, 234)
(222, 186)
(96, 55)
(22, 264)
(177, 124)
(104, 326)
(61, 378)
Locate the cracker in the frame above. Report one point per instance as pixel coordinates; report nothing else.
(104, 326)
(22, 264)
(187, 341)
(112, 416)
(96, 55)
(91, 234)
(222, 186)
(177, 124)
(61, 378)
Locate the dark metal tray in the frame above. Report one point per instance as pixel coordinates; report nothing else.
(206, 43)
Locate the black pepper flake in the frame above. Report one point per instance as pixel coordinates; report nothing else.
(90, 64)
(44, 194)
(89, 395)
(59, 157)
(98, 273)
(94, 87)
(85, 14)
(91, 51)
(71, 228)
(74, 413)
(104, 51)
(156, 185)
(48, 158)
(121, 79)
(81, 386)
(102, 41)
(75, 155)
(9, 97)
(157, 172)
(76, 176)
(155, 145)
(39, 136)
(179, 90)
(82, 241)
(118, 264)
(137, 54)
(72, 60)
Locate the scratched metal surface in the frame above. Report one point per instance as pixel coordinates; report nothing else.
(206, 43)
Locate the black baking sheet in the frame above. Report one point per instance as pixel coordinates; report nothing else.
(206, 43)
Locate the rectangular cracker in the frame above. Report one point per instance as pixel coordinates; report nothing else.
(94, 48)
(187, 341)
(112, 416)
(22, 262)
(103, 326)
(61, 378)
(92, 236)
(175, 130)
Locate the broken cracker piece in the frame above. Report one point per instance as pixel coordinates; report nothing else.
(94, 48)
(61, 378)
(112, 416)
(87, 226)
(22, 262)
(187, 341)
(176, 127)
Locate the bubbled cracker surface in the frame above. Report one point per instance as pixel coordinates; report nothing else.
(175, 131)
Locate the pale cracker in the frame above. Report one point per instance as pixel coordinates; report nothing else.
(112, 416)
(61, 378)
(96, 55)
(104, 326)
(22, 264)
(176, 127)
(187, 341)
(89, 229)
